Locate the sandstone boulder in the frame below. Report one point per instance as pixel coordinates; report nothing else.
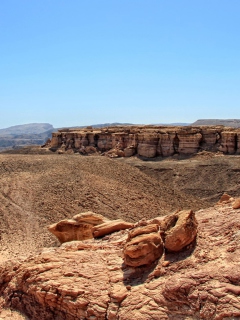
(179, 230)
(87, 279)
(78, 228)
(144, 246)
(110, 227)
(224, 198)
(236, 203)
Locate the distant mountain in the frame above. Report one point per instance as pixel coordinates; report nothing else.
(25, 135)
(31, 128)
(174, 124)
(100, 125)
(235, 123)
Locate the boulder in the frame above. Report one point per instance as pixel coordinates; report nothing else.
(179, 230)
(144, 246)
(110, 227)
(87, 279)
(78, 228)
(224, 198)
(236, 203)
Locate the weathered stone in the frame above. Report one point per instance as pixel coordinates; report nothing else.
(225, 197)
(142, 247)
(236, 203)
(87, 279)
(80, 227)
(189, 142)
(147, 145)
(179, 230)
(129, 151)
(166, 145)
(150, 141)
(110, 227)
(228, 142)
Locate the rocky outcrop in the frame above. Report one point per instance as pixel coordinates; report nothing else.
(144, 246)
(236, 203)
(110, 227)
(86, 225)
(88, 280)
(179, 230)
(147, 141)
(80, 227)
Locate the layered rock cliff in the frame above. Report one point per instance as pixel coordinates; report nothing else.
(147, 141)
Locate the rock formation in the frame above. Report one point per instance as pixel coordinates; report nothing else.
(80, 227)
(147, 141)
(178, 230)
(86, 225)
(88, 280)
(144, 246)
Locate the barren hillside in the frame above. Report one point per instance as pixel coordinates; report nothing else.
(37, 190)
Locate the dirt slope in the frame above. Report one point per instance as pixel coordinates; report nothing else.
(38, 190)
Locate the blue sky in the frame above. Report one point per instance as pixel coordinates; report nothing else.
(81, 62)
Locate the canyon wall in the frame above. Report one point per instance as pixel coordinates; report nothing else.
(147, 141)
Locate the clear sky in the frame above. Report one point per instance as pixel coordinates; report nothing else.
(82, 62)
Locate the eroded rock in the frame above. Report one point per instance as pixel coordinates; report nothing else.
(110, 227)
(236, 203)
(85, 226)
(87, 279)
(148, 141)
(144, 246)
(224, 198)
(179, 230)
(80, 227)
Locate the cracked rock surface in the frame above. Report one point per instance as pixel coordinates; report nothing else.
(88, 279)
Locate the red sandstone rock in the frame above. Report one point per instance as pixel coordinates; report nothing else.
(149, 141)
(87, 280)
(78, 228)
(179, 230)
(110, 227)
(236, 204)
(224, 198)
(144, 246)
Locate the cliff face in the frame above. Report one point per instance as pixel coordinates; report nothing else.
(148, 141)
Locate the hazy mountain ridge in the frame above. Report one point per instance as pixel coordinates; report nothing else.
(38, 133)
(30, 128)
(235, 123)
(26, 134)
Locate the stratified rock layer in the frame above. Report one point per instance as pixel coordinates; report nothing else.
(87, 279)
(147, 141)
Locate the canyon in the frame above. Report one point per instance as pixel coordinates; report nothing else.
(116, 199)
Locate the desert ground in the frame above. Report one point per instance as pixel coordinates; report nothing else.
(37, 190)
